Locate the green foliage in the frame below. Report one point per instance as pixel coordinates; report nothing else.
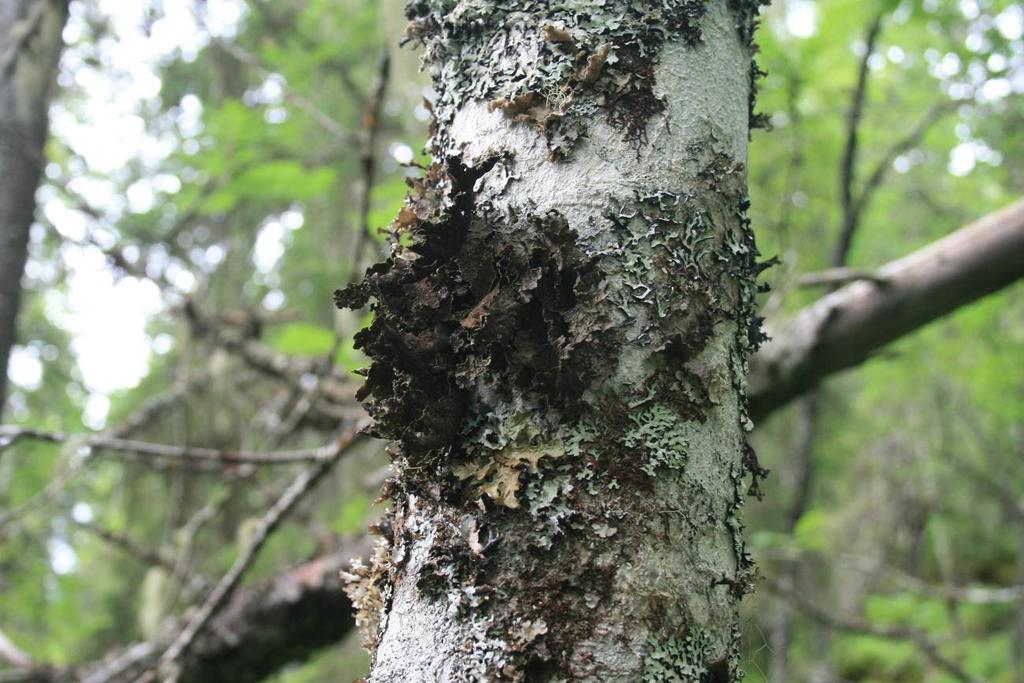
(302, 339)
(867, 659)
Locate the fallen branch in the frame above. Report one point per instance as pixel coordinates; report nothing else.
(266, 526)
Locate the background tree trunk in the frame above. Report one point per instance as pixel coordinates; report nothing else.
(560, 354)
(30, 44)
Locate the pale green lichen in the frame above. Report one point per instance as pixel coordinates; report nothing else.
(552, 63)
(678, 660)
(660, 436)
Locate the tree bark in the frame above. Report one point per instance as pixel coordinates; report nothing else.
(30, 45)
(559, 349)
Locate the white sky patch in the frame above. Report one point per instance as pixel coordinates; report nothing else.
(162, 344)
(274, 300)
(107, 318)
(947, 67)
(269, 246)
(293, 219)
(97, 407)
(273, 238)
(401, 152)
(801, 18)
(961, 159)
(969, 8)
(63, 559)
(82, 513)
(140, 196)
(1010, 22)
(25, 368)
(994, 89)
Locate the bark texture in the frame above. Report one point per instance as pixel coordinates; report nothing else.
(30, 45)
(559, 349)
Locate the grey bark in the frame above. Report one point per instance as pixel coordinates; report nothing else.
(560, 354)
(30, 45)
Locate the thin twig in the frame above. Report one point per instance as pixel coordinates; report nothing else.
(848, 164)
(145, 555)
(146, 448)
(975, 595)
(367, 159)
(121, 542)
(264, 528)
(300, 101)
(179, 570)
(924, 644)
(908, 141)
(50, 492)
(157, 406)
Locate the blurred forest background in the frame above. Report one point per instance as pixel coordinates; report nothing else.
(216, 169)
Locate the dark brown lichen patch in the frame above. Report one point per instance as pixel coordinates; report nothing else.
(553, 64)
(482, 309)
(745, 12)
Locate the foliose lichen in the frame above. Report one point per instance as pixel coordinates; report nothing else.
(552, 63)
(687, 659)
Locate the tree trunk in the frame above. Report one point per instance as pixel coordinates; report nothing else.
(559, 349)
(30, 44)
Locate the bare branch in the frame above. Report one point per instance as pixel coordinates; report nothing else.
(300, 101)
(846, 327)
(367, 159)
(264, 528)
(907, 142)
(833, 277)
(210, 455)
(926, 645)
(848, 164)
(122, 542)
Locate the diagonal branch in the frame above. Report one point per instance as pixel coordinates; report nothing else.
(266, 526)
(907, 142)
(367, 159)
(846, 327)
(924, 644)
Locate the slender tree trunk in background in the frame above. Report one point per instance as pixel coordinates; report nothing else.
(30, 45)
(560, 352)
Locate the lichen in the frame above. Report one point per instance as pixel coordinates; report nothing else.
(482, 310)
(658, 434)
(552, 64)
(685, 660)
